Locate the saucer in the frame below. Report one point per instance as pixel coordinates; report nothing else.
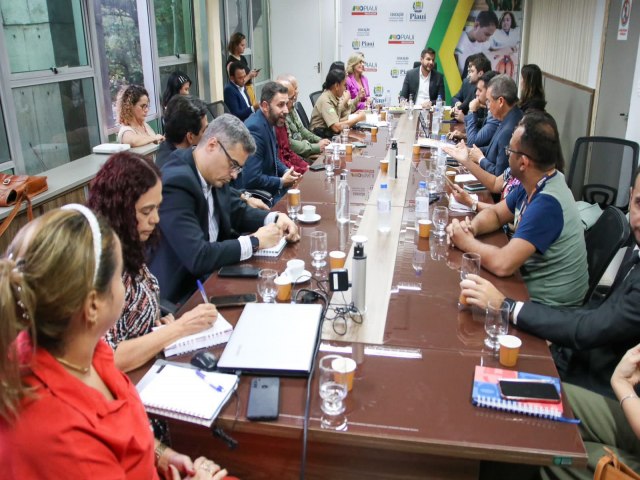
(312, 219)
(304, 277)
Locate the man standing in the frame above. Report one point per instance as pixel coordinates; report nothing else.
(423, 82)
(199, 215)
(264, 170)
(478, 66)
(548, 243)
(235, 95)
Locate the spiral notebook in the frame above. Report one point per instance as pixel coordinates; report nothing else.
(272, 251)
(220, 332)
(185, 393)
(486, 393)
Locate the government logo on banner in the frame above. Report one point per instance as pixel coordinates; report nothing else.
(396, 16)
(418, 7)
(398, 72)
(363, 32)
(401, 39)
(402, 60)
(364, 10)
(417, 15)
(378, 90)
(370, 66)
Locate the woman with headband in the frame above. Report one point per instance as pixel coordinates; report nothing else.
(66, 411)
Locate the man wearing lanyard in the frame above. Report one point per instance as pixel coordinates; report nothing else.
(548, 243)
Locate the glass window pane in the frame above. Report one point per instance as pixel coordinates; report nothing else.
(4, 143)
(174, 30)
(41, 34)
(260, 41)
(188, 68)
(236, 13)
(58, 122)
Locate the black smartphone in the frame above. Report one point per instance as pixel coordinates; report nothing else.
(474, 187)
(247, 271)
(234, 300)
(529, 390)
(316, 167)
(264, 399)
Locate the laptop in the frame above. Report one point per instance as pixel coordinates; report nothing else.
(273, 339)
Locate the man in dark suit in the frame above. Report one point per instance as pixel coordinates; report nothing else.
(199, 215)
(235, 95)
(264, 170)
(588, 342)
(423, 83)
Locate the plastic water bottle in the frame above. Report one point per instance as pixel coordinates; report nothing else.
(393, 159)
(435, 124)
(422, 202)
(442, 155)
(439, 106)
(387, 99)
(410, 106)
(384, 209)
(342, 204)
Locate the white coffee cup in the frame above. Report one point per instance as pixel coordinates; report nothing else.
(309, 211)
(295, 268)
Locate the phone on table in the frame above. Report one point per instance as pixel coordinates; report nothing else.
(529, 390)
(246, 271)
(264, 399)
(316, 167)
(474, 187)
(234, 300)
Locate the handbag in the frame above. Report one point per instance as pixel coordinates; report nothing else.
(610, 467)
(15, 189)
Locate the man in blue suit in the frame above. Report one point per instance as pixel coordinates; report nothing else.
(235, 95)
(264, 171)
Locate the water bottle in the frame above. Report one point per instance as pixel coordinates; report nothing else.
(410, 106)
(384, 209)
(393, 159)
(342, 204)
(435, 124)
(439, 106)
(422, 202)
(442, 155)
(387, 99)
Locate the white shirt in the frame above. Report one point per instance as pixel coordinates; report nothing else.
(244, 94)
(423, 89)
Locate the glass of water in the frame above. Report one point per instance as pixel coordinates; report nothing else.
(470, 264)
(496, 323)
(318, 248)
(440, 219)
(333, 391)
(267, 284)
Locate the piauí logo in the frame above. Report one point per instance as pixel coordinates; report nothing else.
(378, 90)
(418, 7)
(355, 44)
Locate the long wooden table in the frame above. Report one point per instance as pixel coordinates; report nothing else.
(409, 413)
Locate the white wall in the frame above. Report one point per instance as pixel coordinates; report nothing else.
(633, 125)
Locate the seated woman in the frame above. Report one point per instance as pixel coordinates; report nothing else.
(132, 106)
(178, 83)
(357, 83)
(531, 89)
(66, 411)
(127, 191)
(330, 114)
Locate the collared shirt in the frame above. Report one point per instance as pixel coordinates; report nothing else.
(423, 89)
(243, 93)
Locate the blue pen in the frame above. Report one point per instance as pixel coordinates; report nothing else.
(202, 292)
(217, 388)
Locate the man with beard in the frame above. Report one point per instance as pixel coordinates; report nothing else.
(263, 169)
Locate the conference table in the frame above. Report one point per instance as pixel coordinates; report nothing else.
(409, 414)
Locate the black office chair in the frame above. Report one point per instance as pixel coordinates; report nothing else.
(604, 239)
(302, 114)
(601, 170)
(314, 97)
(217, 108)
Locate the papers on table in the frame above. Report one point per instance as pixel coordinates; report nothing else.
(109, 148)
(429, 142)
(456, 206)
(465, 177)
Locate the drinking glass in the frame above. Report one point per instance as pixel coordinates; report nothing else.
(440, 219)
(438, 248)
(470, 264)
(333, 391)
(344, 137)
(496, 323)
(328, 164)
(318, 248)
(293, 203)
(419, 258)
(267, 284)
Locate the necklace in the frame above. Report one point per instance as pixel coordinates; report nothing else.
(73, 366)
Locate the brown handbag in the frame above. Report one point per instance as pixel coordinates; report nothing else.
(15, 189)
(610, 467)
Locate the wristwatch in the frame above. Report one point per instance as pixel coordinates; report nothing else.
(512, 306)
(245, 196)
(255, 243)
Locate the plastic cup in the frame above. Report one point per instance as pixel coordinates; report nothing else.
(348, 149)
(424, 227)
(283, 284)
(346, 368)
(384, 166)
(509, 350)
(374, 131)
(337, 259)
(416, 149)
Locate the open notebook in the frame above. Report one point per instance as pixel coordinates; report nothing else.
(272, 251)
(219, 333)
(185, 393)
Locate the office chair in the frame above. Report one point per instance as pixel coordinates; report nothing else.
(601, 170)
(217, 108)
(610, 233)
(314, 97)
(302, 114)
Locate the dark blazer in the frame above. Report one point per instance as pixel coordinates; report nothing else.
(590, 341)
(263, 169)
(234, 100)
(495, 159)
(465, 95)
(185, 253)
(412, 84)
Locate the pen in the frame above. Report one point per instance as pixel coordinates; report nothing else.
(217, 388)
(202, 292)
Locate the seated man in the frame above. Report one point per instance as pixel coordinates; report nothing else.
(199, 215)
(588, 342)
(264, 170)
(548, 243)
(478, 66)
(423, 83)
(286, 155)
(235, 95)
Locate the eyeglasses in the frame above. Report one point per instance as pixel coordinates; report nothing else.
(234, 166)
(509, 151)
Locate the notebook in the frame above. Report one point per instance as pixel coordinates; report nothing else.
(110, 148)
(185, 393)
(486, 393)
(273, 339)
(272, 251)
(219, 333)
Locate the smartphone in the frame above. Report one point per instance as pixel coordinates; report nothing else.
(246, 271)
(264, 399)
(529, 390)
(316, 167)
(474, 187)
(234, 300)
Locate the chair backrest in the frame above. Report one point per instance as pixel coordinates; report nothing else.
(217, 108)
(602, 169)
(302, 114)
(314, 97)
(603, 240)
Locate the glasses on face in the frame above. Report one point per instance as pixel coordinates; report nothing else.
(144, 106)
(234, 166)
(509, 151)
